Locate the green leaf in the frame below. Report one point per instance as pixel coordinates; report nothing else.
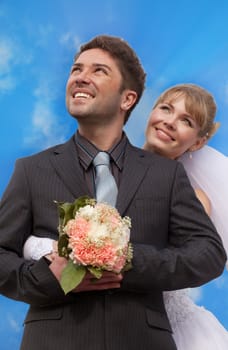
(67, 211)
(63, 249)
(82, 202)
(71, 277)
(95, 271)
(127, 267)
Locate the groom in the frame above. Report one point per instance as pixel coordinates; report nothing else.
(174, 242)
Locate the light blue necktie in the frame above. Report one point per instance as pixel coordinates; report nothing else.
(106, 188)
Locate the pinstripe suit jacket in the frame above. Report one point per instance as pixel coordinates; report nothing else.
(175, 246)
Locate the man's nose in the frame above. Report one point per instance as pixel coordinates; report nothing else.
(83, 77)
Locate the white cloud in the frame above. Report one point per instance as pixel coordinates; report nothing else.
(70, 41)
(43, 35)
(6, 56)
(137, 122)
(196, 294)
(222, 281)
(45, 130)
(47, 90)
(7, 83)
(226, 93)
(11, 55)
(2, 10)
(14, 324)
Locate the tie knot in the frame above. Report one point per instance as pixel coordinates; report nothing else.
(102, 158)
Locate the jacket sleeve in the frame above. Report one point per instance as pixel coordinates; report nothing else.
(24, 280)
(193, 254)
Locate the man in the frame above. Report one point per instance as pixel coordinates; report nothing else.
(175, 244)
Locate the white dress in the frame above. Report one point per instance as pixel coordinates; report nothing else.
(194, 327)
(208, 170)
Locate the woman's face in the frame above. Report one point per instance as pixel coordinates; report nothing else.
(171, 131)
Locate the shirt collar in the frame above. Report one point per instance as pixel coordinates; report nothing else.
(87, 151)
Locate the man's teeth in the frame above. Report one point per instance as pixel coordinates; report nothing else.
(82, 94)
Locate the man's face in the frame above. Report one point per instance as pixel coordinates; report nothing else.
(93, 90)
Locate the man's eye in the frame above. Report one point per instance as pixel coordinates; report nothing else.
(76, 69)
(100, 69)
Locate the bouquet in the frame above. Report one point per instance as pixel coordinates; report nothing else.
(93, 237)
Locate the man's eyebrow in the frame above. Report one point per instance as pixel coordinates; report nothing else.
(75, 64)
(102, 65)
(78, 64)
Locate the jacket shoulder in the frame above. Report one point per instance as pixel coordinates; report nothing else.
(45, 154)
(153, 158)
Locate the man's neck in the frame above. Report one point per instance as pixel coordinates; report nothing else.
(103, 139)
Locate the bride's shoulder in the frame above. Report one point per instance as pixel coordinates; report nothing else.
(203, 198)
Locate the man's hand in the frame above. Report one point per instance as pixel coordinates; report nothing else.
(109, 280)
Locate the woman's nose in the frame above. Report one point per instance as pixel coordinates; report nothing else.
(170, 122)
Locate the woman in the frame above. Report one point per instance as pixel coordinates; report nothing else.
(179, 126)
(181, 122)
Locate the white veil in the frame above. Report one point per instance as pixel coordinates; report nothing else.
(208, 170)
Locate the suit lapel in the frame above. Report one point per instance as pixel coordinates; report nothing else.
(66, 164)
(65, 161)
(134, 170)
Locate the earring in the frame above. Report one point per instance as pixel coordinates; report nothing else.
(190, 155)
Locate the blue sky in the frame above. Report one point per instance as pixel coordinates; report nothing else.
(177, 41)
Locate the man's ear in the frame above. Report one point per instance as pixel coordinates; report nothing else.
(198, 144)
(128, 99)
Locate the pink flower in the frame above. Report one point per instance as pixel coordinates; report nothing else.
(77, 228)
(97, 238)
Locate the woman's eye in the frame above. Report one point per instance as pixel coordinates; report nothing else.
(165, 107)
(188, 122)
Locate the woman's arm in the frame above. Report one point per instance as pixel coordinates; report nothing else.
(203, 198)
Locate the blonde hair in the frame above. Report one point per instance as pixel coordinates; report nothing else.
(199, 103)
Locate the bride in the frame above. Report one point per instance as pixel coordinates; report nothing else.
(181, 122)
(179, 126)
